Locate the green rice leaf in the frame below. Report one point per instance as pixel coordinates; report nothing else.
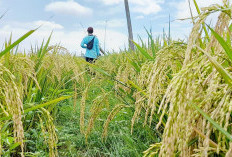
(217, 126)
(144, 52)
(141, 40)
(45, 47)
(199, 12)
(134, 64)
(40, 49)
(197, 7)
(13, 146)
(47, 103)
(222, 42)
(225, 74)
(41, 53)
(16, 42)
(40, 106)
(100, 70)
(194, 140)
(137, 87)
(152, 43)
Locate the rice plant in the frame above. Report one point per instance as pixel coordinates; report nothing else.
(198, 83)
(171, 95)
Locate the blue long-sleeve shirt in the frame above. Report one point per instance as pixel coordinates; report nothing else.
(95, 51)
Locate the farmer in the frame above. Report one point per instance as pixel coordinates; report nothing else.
(91, 44)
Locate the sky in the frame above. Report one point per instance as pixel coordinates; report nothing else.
(69, 20)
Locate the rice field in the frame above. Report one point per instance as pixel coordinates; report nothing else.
(166, 98)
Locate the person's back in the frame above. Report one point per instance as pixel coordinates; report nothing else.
(91, 54)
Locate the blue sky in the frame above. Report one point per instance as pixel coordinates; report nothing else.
(69, 20)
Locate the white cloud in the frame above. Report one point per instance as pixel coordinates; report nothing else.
(145, 7)
(69, 39)
(68, 8)
(160, 16)
(44, 25)
(139, 17)
(114, 40)
(183, 7)
(47, 25)
(111, 2)
(112, 23)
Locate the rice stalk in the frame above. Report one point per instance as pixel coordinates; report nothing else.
(52, 137)
(229, 153)
(82, 108)
(43, 129)
(95, 111)
(112, 114)
(153, 150)
(196, 82)
(1, 139)
(75, 95)
(13, 103)
(168, 62)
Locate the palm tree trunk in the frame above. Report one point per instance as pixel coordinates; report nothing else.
(129, 25)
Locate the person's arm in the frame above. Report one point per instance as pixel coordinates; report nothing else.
(83, 44)
(102, 51)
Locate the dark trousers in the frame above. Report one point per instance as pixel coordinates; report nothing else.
(90, 60)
